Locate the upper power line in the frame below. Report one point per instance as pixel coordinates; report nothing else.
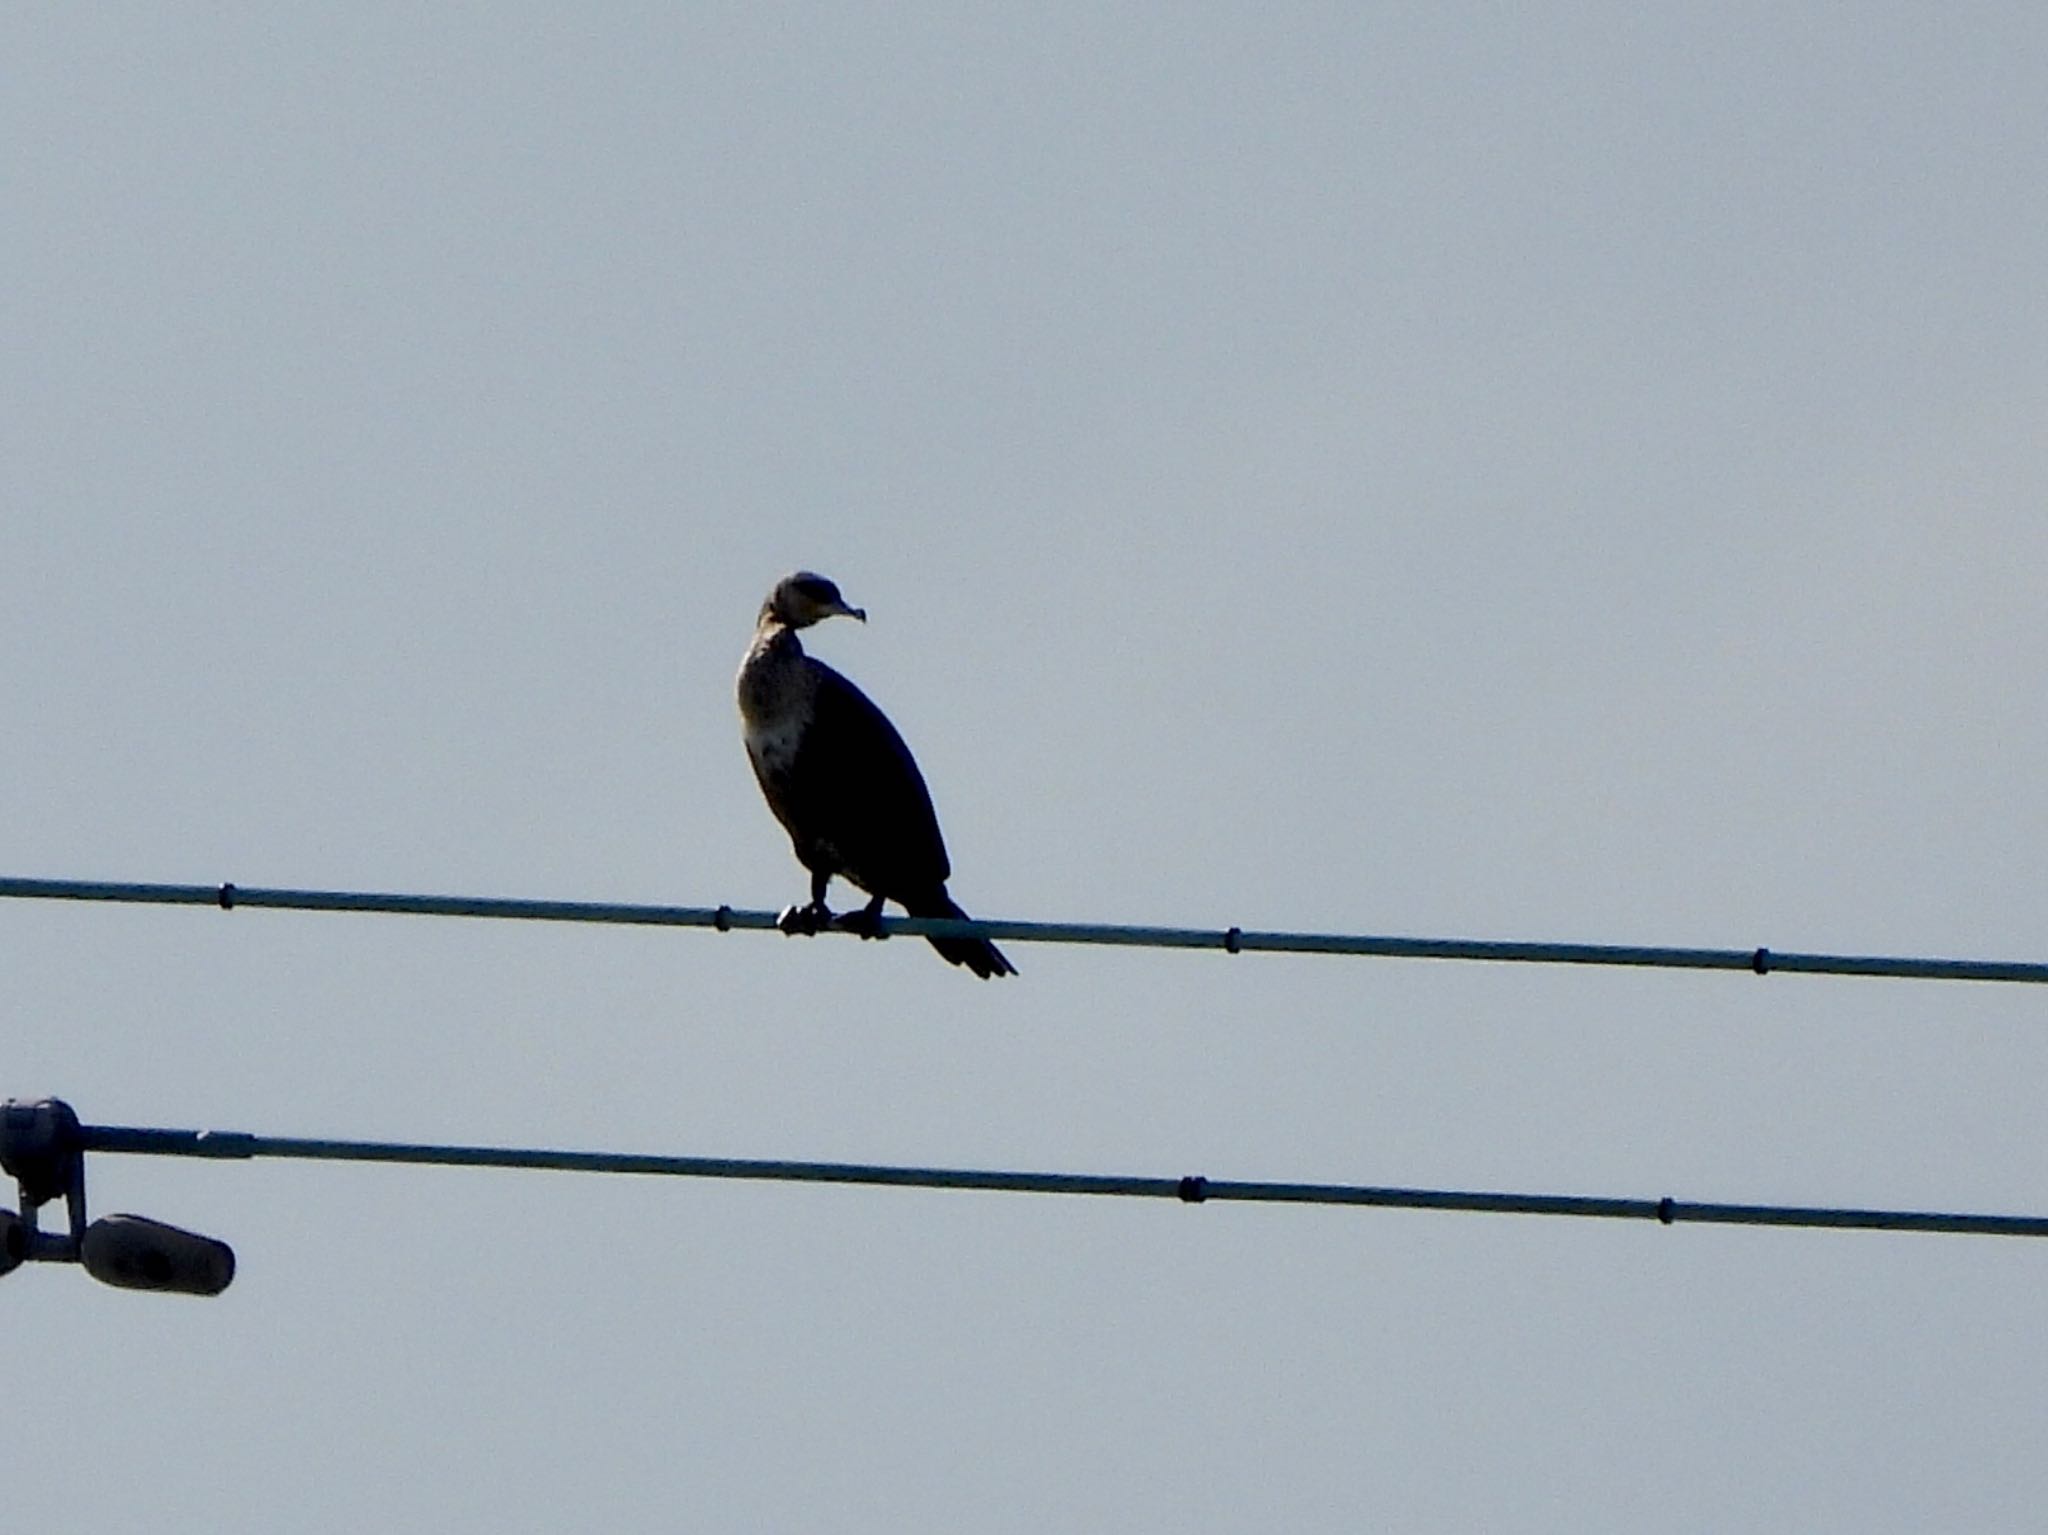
(1232, 940)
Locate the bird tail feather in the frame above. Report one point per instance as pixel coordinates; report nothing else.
(977, 954)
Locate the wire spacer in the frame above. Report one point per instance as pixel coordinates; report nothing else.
(1193, 1189)
(722, 919)
(1666, 1211)
(1760, 961)
(1233, 940)
(226, 896)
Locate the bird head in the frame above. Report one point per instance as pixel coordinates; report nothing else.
(802, 599)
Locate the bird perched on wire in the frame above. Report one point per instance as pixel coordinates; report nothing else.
(841, 781)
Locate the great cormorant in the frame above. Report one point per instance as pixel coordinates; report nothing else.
(841, 781)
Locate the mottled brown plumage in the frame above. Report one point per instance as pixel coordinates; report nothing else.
(840, 779)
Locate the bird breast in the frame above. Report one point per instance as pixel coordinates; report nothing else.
(773, 744)
(775, 692)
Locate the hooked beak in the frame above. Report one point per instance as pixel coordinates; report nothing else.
(859, 613)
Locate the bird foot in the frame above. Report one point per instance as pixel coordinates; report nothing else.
(808, 921)
(865, 923)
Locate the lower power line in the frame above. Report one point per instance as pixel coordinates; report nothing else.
(236, 1145)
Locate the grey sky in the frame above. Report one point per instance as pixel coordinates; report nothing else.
(1552, 472)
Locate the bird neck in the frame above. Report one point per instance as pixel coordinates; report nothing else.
(774, 638)
(774, 677)
(773, 629)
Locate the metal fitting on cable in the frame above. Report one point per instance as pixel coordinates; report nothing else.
(43, 1149)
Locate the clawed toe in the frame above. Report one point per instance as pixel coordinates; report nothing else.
(804, 920)
(866, 923)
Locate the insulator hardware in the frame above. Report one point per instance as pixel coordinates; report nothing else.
(43, 1150)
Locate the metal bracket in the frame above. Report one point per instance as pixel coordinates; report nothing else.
(43, 1149)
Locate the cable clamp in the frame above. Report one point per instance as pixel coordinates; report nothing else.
(42, 1147)
(1193, 1189)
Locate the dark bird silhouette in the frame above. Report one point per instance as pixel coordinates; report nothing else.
(841, 781)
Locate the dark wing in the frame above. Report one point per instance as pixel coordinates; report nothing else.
(857, 797)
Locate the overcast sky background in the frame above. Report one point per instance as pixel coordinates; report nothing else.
(1560, 472)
